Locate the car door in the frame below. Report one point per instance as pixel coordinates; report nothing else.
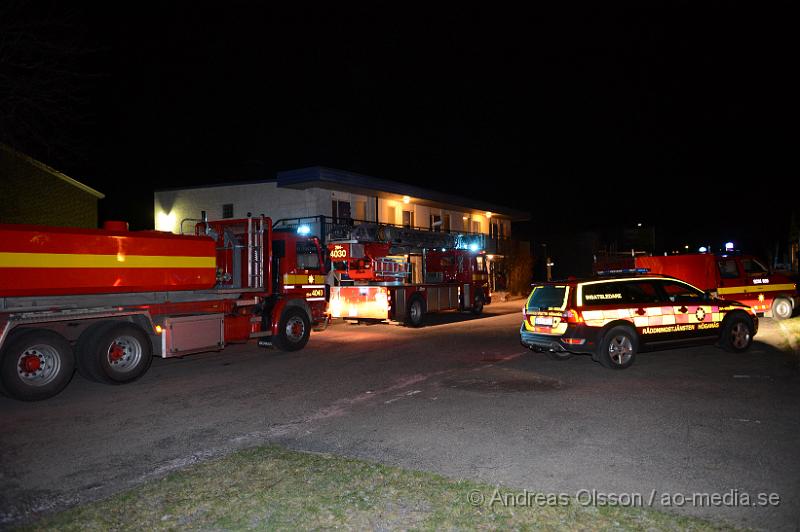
(693, 315)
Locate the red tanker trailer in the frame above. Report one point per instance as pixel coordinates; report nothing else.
(105, 301)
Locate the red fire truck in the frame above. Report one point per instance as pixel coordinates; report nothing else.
(735, 277)
(106, 301)
(400, 274)
(732, 276)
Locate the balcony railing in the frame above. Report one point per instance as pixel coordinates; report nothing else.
(329, 228)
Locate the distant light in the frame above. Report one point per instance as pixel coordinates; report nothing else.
(728, 246)
(638, 225)
(406, 199)
(703, 249)
(303, 230)
(686, 246)
(473, 247)
(465, 218)
(488, 214)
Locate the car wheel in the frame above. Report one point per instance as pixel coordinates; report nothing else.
(782, 309)
(618, 348)
(737, 333)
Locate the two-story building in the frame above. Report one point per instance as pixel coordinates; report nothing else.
(325, 199)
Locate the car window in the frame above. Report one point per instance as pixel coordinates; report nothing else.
(728, 268)
(677, 292)
(640, 292)
(753, 267)
(603, 293)
(622, 292)
(547, 297)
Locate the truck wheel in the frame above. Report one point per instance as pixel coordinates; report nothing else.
(114, 353)
(737, 333)
(415, 316)
(782, 309)
(36, 364)
(477, 304)
(618, 348)
(294, 328)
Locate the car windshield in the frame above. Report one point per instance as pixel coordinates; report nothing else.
(547, 297)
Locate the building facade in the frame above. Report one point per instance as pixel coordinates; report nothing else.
(34, 193)
(327, 200)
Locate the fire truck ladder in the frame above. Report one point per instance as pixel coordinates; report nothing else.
(403, 237)
(255, 252)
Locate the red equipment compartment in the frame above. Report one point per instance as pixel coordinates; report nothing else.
(43, 260)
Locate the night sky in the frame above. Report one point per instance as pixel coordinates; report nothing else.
(677, 117)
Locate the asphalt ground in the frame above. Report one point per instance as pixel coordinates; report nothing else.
(459, 397)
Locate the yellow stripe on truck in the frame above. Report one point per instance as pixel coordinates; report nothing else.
(120, 260)
(756, 288)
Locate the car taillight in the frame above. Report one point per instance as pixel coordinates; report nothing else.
(572, 316)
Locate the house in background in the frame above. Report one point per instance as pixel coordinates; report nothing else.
(326, 199)
(34, 193)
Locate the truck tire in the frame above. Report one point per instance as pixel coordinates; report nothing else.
(36, 364)
(114, 352)
(737, 333)
(294, 329)
(415, 316)
(782, 308)
(618, 348)
(477, 304)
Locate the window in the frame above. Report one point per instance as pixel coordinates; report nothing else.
(436, 222)
(641, 292)
(446, 223)
(227, 210)
(677, 292)
(753, 267)
(307, 256)
(476, 226)
(547, 297)
(728, 268)
(340, 210)
(480, 263)
(603, 294)
(408, 219)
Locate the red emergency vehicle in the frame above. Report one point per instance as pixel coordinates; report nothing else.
(105, 301)
(400, 274)
(735, 277)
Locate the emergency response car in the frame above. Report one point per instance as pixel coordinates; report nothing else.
(613, 318)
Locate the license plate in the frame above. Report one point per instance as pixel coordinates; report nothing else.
(543, 320)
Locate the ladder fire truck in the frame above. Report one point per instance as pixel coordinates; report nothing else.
(105, 301)
(400, 274)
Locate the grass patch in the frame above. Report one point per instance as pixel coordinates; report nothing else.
(274, 488)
